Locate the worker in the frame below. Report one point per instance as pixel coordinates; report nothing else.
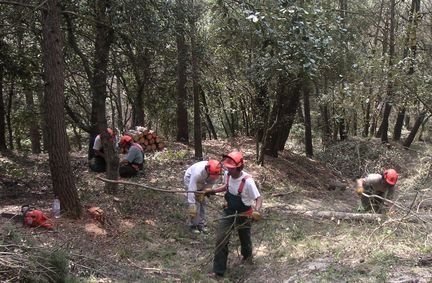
(382, 185)
(97, 162)
(134, 160)
(198, 177)
(241, 193)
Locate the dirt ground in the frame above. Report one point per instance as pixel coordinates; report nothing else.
(144, 238)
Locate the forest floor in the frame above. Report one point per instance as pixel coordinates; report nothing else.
(145, 238)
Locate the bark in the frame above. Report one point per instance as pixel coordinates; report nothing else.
(368, 217)
(9, 115)
(390, 94)
(3, 146)
(212, 130)
(34, 122)
(104, 39)
(59, 160)
(414, 129)
(397, 131)
(284, 111)
(366, 124)
(182, 117)
(307, 123)
(196, 91)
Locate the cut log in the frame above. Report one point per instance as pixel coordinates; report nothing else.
(151, 141)
(153, 147)
(160, 145)
(370, 217)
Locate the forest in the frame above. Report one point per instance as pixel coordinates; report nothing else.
(315, 94)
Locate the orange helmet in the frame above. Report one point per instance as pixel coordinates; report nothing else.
(233, 159)
(214, 167)
(110, 132)
(390, 176)
(124, 140)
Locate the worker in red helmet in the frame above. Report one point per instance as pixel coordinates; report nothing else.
(198, 178)
(134, 159)
(243, 203)
(97, 161)
(382, 185)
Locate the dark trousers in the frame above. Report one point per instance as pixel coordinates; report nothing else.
(226, 226)
(127, 171)
(372, 204)
(97, 164)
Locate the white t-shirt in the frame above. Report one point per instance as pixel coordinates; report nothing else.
(97, 145)
(250, 191)
(195, 179)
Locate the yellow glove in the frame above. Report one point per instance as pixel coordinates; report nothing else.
(192, 211)
(199, 196)
(256, 216)
(359, 190)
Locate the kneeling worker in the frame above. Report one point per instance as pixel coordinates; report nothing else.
(134, 160)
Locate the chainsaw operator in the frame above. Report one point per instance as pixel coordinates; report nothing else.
(134, 160)
(241, 193)
(97, 161)
(382, 185)
(198, 178)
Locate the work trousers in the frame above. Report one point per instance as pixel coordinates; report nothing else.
(226, 225)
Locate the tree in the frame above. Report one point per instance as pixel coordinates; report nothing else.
(59, 160)
(182, 58)
(104, 39)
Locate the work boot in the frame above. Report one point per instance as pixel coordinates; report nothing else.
(195, 229)
(203, 229)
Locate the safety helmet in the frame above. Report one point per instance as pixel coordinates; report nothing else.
(124, 140)
(233, 159)
(110, 132)
(214, 167)
(390, 176)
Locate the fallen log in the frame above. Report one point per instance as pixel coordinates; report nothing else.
(369, 217)
(337, 215)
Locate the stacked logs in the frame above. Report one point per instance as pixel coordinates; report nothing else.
(147, 138)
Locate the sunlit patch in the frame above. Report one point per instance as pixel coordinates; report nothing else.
(126, 224)
(95, 230)
(150, 222)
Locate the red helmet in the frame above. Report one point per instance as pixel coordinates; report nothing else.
(214, 167)
(233, 160)
(110, 132)
(390, 176)
(124, 140)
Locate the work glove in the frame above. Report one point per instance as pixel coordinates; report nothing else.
(359, 190)
(199, 196)
(209, 191)
(256, 215)
(192, 211)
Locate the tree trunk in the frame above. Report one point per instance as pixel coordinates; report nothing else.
(414, 129)
(59, 161)
(3, 146)
(390, 94)
(397, 131)
(212, 130)
(307, 122)
(182, 117)
(366, 125)
(9, 115)
(33, 123)
(104, 39)
(195, 89)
